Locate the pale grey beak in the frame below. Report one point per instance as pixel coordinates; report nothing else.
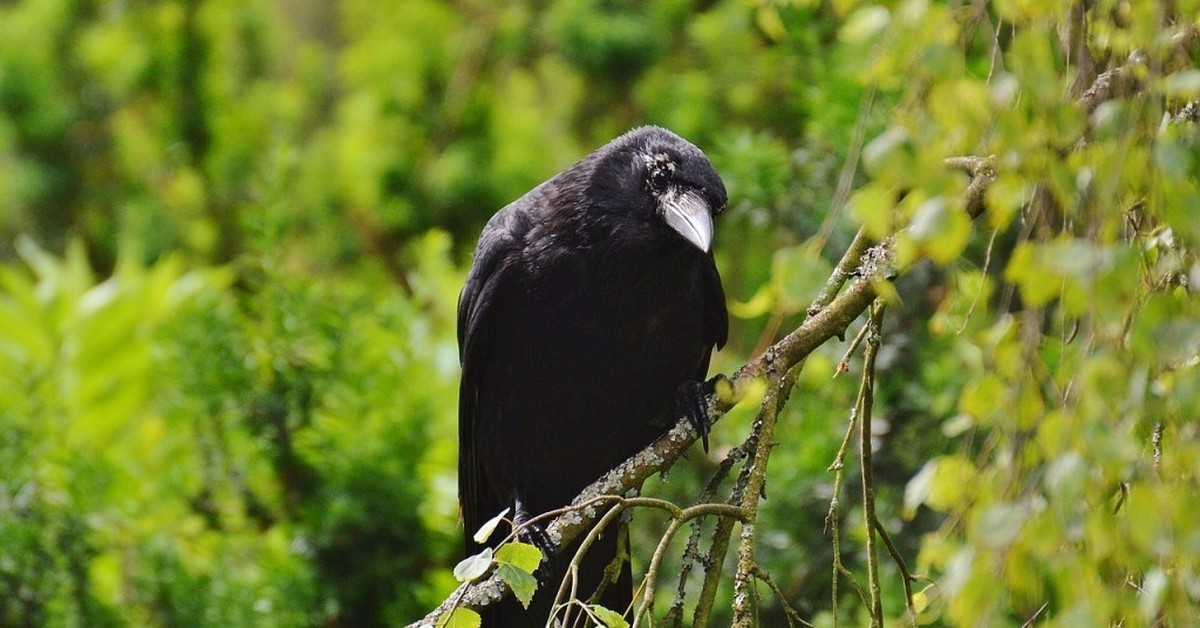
(687, 213)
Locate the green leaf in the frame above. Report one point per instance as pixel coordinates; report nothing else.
(522, 583)
(865, 23)
(758, 305)
(1066, 477)
(942, 231)
(872, 207)
(1173, 157)
(523, 556)
(472, 567)
(611, 618)
(769, 22)
(1004, 198)
(982, 398)
(485, 530)
(1153, 590)
(921, 599)
(797, 274)
(941, 484)
(1183, 85)
(1000, 524)
(886, 290)
(461, 618)
(1037, 286)
(884, 150)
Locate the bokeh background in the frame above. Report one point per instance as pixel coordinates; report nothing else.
(232, 236)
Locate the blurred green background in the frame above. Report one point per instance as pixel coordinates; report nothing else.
(232, 236)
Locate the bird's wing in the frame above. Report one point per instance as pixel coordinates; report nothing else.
(491, 275)
(716, 317)
(715, 330)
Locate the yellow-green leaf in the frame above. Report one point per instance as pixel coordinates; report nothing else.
(523, 556)
(872, 206)
(769, 22)
(461, 618)
(865, 23)
(758, 305)
(611, 618)
(797, 274)
(941, 484)
(1184, 85)
(943, 231)
(522, 583)
(474, 566)
(485, 531)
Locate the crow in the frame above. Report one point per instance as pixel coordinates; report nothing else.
(585, 326)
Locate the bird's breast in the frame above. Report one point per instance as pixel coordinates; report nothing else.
(636, 306)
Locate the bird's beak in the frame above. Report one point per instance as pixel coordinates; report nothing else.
(688, 214)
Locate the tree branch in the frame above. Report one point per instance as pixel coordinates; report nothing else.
(1127, 78)
(719, 547)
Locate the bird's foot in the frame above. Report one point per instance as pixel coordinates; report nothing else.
(692, 401)
(535, 534)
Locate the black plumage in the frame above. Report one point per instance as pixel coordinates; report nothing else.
(591, 309)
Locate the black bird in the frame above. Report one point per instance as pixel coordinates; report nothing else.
(585, 327)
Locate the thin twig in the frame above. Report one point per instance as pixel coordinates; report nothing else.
(714, 566)
(833, 315)
(569, 593)
(867, 396)
(678, 519)
(849, 167)
(652, 572)
(779, 388)
(987, 262)
(833, 523)
(1156, 441)
(906, 576)
(846, 267)
(1124, 79)
(691, 551)
(982, 171)
(844, 365)
(793, 616)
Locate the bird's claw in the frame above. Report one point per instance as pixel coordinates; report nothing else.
(692, 399)
(535, 534)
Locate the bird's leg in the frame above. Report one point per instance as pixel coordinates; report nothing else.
(535, 535)
(692, 401)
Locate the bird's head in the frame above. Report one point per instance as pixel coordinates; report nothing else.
(662, 177)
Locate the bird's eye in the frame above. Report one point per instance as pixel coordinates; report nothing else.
(659, 177)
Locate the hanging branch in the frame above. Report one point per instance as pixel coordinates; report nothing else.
(833, 518)
(719, 547)
(691, 552)
(779, 388)
(866, 401)
(793, 617)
